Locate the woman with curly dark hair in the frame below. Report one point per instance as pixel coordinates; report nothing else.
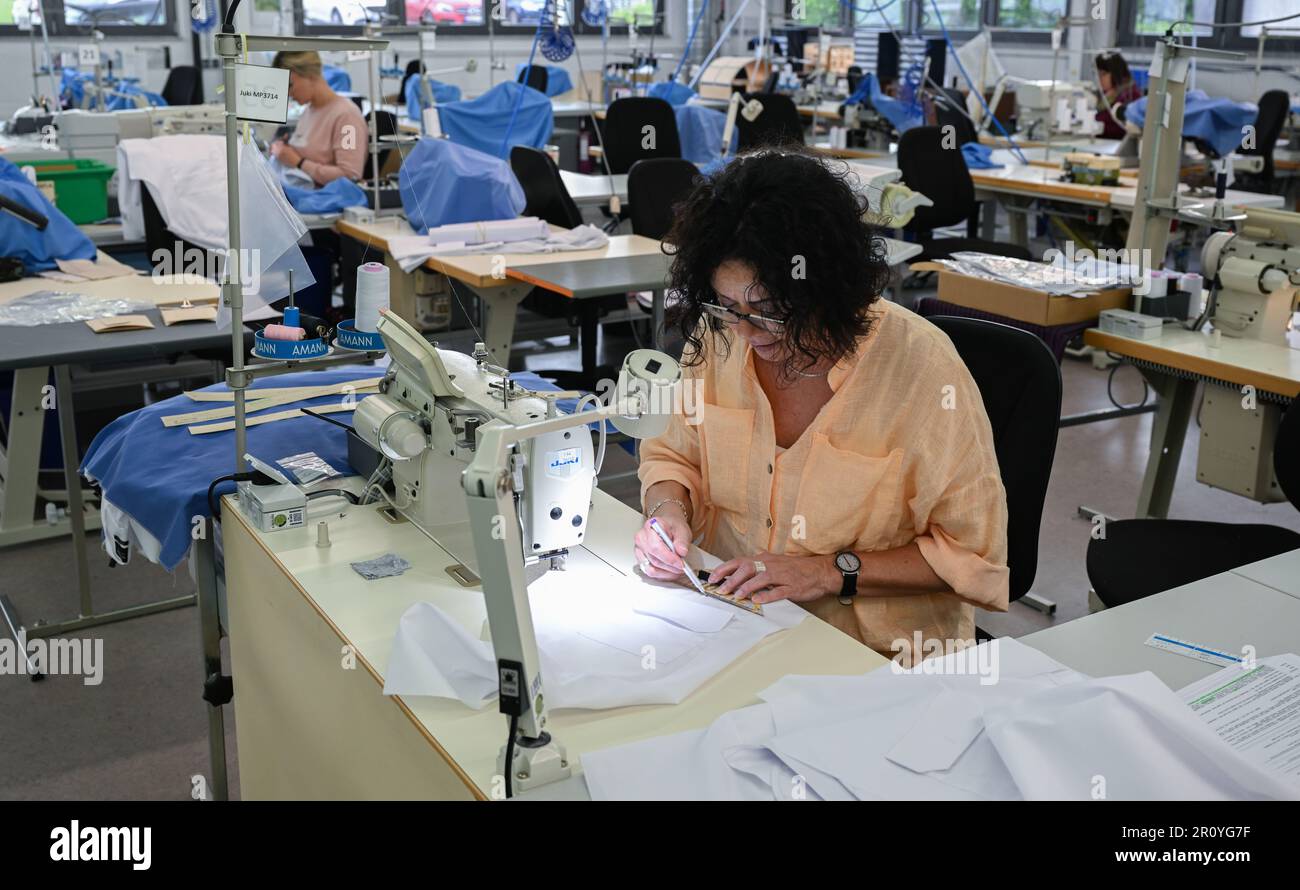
(840, 456)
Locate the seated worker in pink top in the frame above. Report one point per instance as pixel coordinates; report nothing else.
(1118, 89)
(331, 139)
(838, 454)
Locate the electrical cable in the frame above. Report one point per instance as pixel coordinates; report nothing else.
(519, 99)
(341, 492)
(1110, 380)
(581, 406)
(686, 51)
(214, 509)
(510, 754)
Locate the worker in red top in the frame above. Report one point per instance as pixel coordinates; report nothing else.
(1118, 89)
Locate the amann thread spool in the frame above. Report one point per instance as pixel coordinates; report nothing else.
(372, 295)
(282, 332)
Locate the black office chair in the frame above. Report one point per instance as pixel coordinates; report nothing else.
(546, 197)
(1139, 557)
(950, 111)
(1274, 106)
(653, 187)
(938, 171)
(184, 86)
(854, 77)
(535, 76)
(778, 123)
(385, 125)
(624, 133)
(1020, 383)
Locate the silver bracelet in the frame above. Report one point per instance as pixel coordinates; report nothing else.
(685, 512)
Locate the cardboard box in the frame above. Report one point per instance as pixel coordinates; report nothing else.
(1022, 303)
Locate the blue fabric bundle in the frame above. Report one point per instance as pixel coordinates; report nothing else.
(670, 91)
(700, 130)
(337, 78)
(557, 78)
(1218, 121)
(978, 157)
(443, 183)
(902, 115)
(73, 90)
(38, 250)
(329, 198)
(443, 93)
(484, 123)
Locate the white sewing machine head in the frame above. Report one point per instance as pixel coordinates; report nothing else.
(1258, 269)
(426, 419)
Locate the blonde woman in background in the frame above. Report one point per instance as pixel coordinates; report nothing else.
(331, 137)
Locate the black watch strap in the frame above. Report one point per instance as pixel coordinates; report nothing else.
(849, 589)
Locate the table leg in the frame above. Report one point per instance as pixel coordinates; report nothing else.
(20, 460)
(210, 640)
(1168, 431)
(989, 218)
(72, 478)
(500, 305)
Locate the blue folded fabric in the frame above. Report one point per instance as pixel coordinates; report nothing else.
(442, 183)
(160, 475)
(38, 250)
(337, 78)
(978, 157)
(485, 123)
(1217, 121)
(443, 93)
(671, 92)
(329, 198)
(557, 78)
(700, 130)
(72, 90)
(902, 115)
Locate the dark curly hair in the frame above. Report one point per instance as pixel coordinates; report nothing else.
(767, 210)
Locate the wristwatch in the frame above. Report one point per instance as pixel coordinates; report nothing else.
(849, 565)
(301, 161)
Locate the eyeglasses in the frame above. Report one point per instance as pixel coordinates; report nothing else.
(731, 316)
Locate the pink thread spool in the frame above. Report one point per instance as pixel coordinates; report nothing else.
(282, 332)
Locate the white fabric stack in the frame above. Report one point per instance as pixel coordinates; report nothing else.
(524, 235)
(1032, 729)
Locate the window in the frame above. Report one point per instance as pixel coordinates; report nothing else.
(1038, 15)
(874, 17)
(73, 18)
(1260, 10)
(828, 15)
(443, 13)
(1152, 18)
(958, 15)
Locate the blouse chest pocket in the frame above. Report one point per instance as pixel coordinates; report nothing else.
(847, 500)
(727, 436)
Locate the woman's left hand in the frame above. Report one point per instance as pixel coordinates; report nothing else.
(796, 578)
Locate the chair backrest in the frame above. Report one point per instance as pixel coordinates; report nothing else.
(949, 111)
(183, 86)
(777, 123)
(1274, 106)
(1020, 382)
(535, 76)
(413, 67)
(940, 173)
(543, 188)
(385, 125)
(625, 137)
(1286, 453)
(653, 187)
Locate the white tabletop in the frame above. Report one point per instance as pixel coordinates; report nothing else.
(592, 189)
(1282, 573)
(1226, 612)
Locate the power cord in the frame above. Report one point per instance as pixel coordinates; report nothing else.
(214, 509)
(510, 754)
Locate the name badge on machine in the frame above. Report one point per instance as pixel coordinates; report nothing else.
(261, 94)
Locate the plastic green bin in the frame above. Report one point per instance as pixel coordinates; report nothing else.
(80, 186)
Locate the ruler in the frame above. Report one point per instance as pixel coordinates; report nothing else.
(1193, 650)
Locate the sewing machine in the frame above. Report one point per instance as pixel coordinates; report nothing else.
(1256, 271)
(455, 429)
(1047, 107)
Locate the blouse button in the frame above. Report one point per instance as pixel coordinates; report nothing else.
(769, 522)
(769, 468)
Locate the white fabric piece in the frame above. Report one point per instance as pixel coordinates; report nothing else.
(597, 650)
(411, 251)
(525, 228)
(1131, 737)
(117, 523)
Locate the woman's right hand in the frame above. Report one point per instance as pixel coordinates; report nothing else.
(654, 557)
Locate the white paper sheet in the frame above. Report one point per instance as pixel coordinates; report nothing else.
(1256, 711)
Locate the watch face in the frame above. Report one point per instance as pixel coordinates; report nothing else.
(847, 562)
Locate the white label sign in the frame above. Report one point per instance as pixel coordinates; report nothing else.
(427, 40)
(358, 55)
(87, 55)
(261, 93)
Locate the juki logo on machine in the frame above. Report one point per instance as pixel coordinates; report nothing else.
(564, 463)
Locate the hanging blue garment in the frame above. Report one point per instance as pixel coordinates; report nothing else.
(332, 197)
(1217, 121)
(337, 78)
(902, 115)
(483, 123)
(442, 183)
(671, 92)
(700, 129)
(978, 157)
(443, 93)
(73, 84)
(557, 78)
(38, 250)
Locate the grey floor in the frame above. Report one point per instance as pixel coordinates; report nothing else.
(142, 733)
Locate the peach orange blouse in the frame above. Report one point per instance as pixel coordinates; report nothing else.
(902, 452)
